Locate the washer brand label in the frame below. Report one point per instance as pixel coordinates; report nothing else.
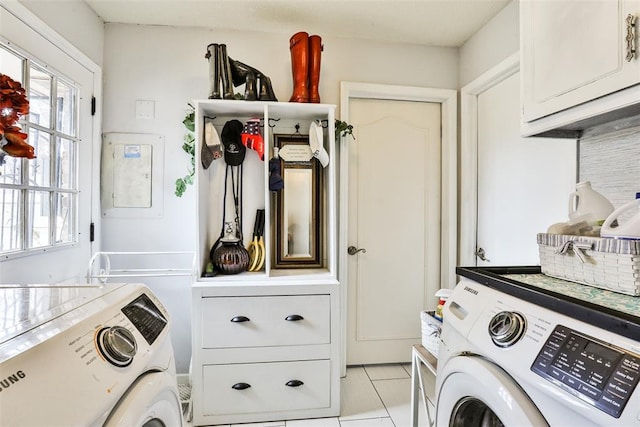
(473, 291)
(11, 379)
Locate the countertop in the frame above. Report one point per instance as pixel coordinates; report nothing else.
(609, 310)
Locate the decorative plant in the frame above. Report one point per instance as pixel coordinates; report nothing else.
(189, 146)
(343, 129)
(13, 104)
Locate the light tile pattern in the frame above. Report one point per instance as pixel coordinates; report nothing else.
(372, 396)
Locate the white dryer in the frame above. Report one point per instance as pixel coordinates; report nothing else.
(512, 354)
(86, 356)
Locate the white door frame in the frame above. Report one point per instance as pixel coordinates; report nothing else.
(469, 152)
(447, 98)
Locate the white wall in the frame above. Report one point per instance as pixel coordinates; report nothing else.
(498, 39)
(75, 21)
(167, 65)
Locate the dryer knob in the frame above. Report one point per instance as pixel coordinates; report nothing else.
(506, 328)
(118, 345)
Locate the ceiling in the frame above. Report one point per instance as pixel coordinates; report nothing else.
(424, 22)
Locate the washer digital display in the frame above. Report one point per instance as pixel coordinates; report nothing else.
(146, 317)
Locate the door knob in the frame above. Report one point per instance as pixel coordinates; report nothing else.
(352, 250)
(480, 254)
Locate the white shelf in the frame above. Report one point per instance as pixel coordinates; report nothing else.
(292, 289)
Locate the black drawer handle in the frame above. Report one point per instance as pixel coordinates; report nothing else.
(294, 383)
(240, 386)
(293, 317)
(239, 319)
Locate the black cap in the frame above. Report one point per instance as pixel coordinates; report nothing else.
(234, 150)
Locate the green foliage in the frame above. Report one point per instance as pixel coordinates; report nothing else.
(189, 147)
(343, 129)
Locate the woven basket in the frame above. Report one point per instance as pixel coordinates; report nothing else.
(430, 332)
(605, 263)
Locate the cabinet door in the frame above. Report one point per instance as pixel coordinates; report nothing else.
(574, 52)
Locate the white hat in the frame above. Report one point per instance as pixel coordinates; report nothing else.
(316, 144)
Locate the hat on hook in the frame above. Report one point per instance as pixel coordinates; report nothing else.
(252, 137)
(211, 149)
(317, 145)
(234, 149)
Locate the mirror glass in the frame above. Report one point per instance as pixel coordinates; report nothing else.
(299, 219)
(298, 205)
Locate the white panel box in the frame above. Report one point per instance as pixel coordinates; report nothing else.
(131, 175)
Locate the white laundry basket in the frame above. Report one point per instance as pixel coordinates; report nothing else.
(606, 263)
(430, 331)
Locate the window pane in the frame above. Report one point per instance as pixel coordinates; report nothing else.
(40, 98)
(65, 164)
(11, 65)
(38, 225)
(10, 220)
(64, 218)
(66, 109)
(40, 167)
(11, 171)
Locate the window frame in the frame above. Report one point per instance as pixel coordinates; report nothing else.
(54, 189)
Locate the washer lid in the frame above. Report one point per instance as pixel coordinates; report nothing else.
(24, 307)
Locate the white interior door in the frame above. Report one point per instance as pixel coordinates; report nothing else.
(394, 218)
(27, 34)
(522, 184)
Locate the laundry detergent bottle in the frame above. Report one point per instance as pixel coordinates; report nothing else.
(586, 204)
(617, 227)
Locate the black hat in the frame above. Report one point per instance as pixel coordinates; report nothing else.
(234, 150)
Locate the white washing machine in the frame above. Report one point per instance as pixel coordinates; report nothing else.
(86, 356)
(515, 355)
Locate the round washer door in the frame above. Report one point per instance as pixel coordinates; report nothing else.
(475, 392)
(152, 401)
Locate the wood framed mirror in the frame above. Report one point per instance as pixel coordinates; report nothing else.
(299, 211)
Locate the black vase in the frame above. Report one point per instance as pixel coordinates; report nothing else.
(228, 255)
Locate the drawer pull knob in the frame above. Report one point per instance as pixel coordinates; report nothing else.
(240, 386)
(239, 319)
(294, 383)
(293, 318)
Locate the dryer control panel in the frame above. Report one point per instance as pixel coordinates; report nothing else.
(602, 375)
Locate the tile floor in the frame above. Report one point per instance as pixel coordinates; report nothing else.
(372, 396)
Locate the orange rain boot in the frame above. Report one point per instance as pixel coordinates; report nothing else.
(315, 51)
(299, 47)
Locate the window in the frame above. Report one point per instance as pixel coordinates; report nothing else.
(39, 197)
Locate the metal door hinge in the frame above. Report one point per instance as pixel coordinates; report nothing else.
(93, 105)
(92, 232)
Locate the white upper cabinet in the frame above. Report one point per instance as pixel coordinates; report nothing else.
(573, 53)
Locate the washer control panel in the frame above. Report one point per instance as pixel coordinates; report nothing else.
(146, 317)
(602, 375)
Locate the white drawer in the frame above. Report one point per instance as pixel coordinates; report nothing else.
(262, 387)
(262, 321)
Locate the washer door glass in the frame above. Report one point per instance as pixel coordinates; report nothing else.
(474, 392)
(152, 401)
(471, 412)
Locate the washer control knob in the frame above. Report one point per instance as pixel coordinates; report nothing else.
(118, 345)
(506, 328)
